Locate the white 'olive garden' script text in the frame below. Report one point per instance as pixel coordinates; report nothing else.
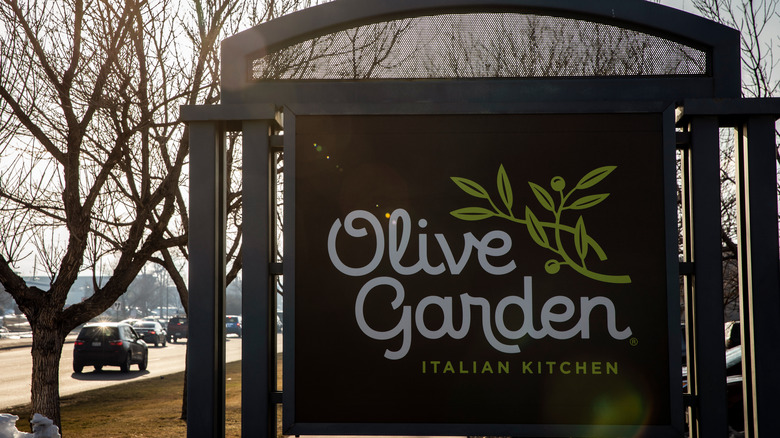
(557, 309)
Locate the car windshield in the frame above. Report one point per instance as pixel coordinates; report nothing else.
(145, 325)
(98, 332)
(232, 319)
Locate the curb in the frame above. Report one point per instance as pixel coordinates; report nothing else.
(26, 341)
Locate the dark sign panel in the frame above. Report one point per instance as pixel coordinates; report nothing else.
(481, 270)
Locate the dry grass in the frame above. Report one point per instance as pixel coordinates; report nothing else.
(148, 408)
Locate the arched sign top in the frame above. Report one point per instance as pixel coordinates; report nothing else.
(712, 48)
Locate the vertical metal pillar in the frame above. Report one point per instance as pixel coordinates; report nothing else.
(206, 357)
(706, 363)
(687, 247)
(258, 368)
(759, 272)
(288, 372)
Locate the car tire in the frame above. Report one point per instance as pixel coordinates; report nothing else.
(144, 363)
(125, 366)
(156, 343)
(98, 367)
(164, 342)
(77, 368)
(174, 339)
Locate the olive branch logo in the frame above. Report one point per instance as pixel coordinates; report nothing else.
(548, 235)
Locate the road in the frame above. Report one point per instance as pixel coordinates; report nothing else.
(16, 366)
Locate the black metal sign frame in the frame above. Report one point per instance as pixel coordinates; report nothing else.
(704, 103)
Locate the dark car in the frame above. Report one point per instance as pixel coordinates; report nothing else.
(151, 332)
(736, 418)
(109, 343)
(734, 389)
(233, 325)
(177, 328)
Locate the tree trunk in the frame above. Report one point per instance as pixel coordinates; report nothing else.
(46, 353)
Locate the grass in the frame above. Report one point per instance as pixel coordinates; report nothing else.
(146, 408)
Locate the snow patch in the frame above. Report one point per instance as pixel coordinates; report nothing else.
(42, 427)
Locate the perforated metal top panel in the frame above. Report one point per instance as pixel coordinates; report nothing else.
(481, 45)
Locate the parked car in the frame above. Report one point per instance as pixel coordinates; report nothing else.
(177, 328)
(151, 332)
(109, 344)
(233, 325)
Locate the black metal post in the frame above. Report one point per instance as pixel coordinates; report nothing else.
(759, 273)
(258, 368)
(206, 357)
(707, 361)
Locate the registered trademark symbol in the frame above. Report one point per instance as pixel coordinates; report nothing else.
(634, 342)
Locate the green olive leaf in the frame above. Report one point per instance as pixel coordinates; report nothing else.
(594, 177)
(535, 229)
(505, 188)
(472, 213)
(471, 187)
(596, 247)
(587, 201)
(581, 239)
(543, 197)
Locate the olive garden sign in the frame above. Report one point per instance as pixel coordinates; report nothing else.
(489, 265)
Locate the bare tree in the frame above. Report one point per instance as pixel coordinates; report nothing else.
(93, 175)
(480, 45)
(756, 22)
